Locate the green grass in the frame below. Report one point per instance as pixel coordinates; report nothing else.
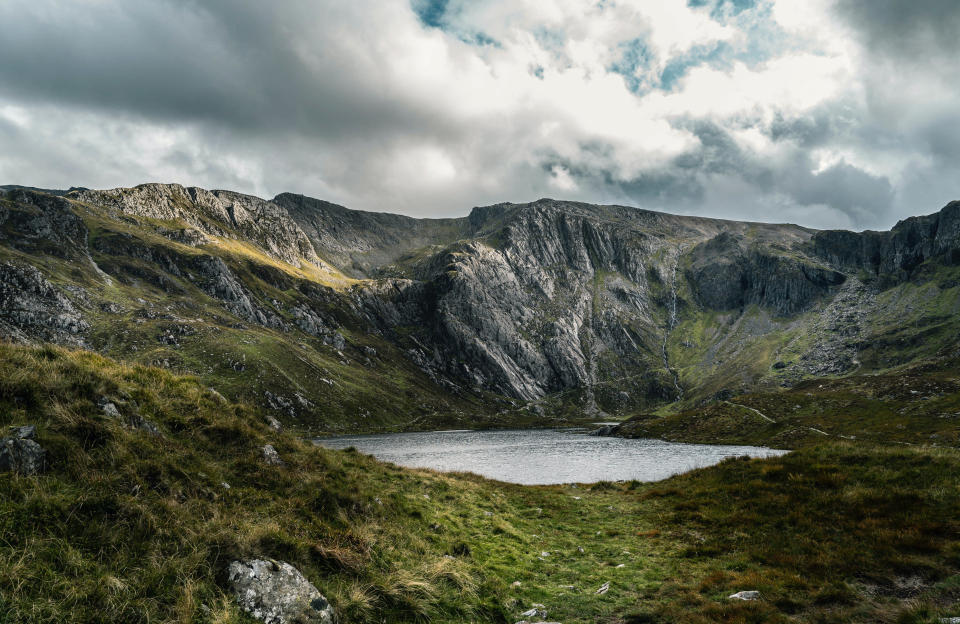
(916, 405)
(127, 527)
(385, 394)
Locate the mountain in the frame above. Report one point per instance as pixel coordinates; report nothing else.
(338, 319)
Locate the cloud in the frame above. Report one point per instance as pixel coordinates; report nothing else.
(905, 29)
(731, 108)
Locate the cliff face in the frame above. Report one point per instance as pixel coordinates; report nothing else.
(560, 295)
(726, 272)
(894, 254)
(613, 308)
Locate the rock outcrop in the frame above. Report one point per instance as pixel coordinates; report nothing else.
(31, 308)
(213, 213)
(727, 273)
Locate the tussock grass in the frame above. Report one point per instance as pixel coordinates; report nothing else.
(129, 527)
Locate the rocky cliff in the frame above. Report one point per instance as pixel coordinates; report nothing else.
(323, 313)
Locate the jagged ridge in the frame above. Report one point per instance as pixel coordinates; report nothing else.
(611, 308)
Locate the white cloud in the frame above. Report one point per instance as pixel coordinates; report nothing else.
(364, 104)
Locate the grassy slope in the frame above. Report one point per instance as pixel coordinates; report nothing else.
(127, 527)
(919, 404)
(242, 359)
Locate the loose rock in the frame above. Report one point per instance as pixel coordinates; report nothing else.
(275, 592)
(141, 423)
(270, 456)
(21, 454)
(110, 410)
(745, 595)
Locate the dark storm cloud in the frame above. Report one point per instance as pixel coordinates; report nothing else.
(246, 65)
(905, 28)
(864, 198)
(685, 183)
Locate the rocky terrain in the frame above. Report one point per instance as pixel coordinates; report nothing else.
(337, 319)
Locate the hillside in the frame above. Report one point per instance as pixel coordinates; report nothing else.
(143, 505)
(340, 320)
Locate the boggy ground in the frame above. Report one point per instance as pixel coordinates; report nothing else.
(130, 527)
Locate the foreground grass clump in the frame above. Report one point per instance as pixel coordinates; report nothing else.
(127, 526)
(131, 527)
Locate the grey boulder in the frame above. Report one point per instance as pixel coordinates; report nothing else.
(21, 454)
(275, 592)
(270, 456)
(745, 595)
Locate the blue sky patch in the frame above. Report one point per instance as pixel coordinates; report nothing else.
(635, 56)
(430, 12)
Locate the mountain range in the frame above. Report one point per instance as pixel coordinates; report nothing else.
(336, 319)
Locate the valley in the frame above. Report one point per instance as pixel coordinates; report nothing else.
(160, 338)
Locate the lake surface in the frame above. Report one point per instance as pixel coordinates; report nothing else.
(542, 456)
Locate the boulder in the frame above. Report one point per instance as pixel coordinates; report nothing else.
(142, 424)
(745, 595)
(110, 410)
(270, 456)
(275, 592)
(20, 453)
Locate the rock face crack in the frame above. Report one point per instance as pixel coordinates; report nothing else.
(671, 323)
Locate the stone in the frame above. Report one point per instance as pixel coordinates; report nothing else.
(270, 456)
(745, 595)
(273, 423)
(22, 456)
(537, 610)
(604, 588)
(275, 592)
(142, 424)
(605, 430)
(110, 410)
(24, 432)
(217, 396)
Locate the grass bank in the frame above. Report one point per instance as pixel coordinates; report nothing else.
(131, 527)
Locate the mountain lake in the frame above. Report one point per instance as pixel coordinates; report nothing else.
(542, 456)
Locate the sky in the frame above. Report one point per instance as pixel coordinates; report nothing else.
(826, 113)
